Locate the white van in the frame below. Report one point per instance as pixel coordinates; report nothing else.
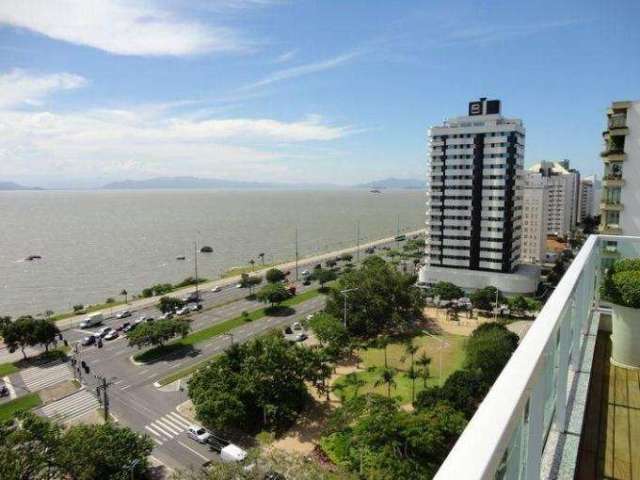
(92, 320)
(232, 454)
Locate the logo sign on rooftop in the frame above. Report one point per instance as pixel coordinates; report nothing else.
(484, 107)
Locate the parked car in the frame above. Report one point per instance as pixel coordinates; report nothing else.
(145, 318)
(306, 282)
(166, 316)
(124, 327)
(183, 311)
(104, 331)
(124, 314)
(112, 335)
(128, 327)
(92, 320)
(238, 285)
(194, 307)
(216, 289)
(198, 433)
(192, 297)
(89, 340)
(306, 273)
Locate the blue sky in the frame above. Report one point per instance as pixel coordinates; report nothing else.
(297, 90)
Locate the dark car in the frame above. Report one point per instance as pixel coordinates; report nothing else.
(124, 327)
(89, 340)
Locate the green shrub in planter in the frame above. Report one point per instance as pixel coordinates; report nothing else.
(625, 265)
(624, 288)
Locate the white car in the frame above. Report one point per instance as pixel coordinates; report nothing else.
(198, 433)
(183, 311)
(216, 289)
(112, 335)
(124, 314)
(238, 285)
(104, 331)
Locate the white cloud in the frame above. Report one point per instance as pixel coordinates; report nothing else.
(19, 86)
(119, 27)
(306, 69)
(286, 56)
(150, 141)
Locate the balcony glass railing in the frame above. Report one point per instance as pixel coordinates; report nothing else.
(618, 121)
(510, 433)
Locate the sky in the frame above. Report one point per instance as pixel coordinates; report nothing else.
(338, 91)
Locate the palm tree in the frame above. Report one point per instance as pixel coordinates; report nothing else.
(410, 349)
(352, 380)
(252, 262)
(412, 374)
(261, 255)
(387, 377)
(423, 362)
(381, 342)
(124, 293)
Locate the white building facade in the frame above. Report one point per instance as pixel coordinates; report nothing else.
(620, 202)
(563, 186)
(474, 201)
(585, 199)
(535, 210)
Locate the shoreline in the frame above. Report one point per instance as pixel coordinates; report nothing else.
(69, 322)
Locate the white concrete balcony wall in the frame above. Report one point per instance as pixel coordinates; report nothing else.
(455, 262)
(528, 404)
(490, 265)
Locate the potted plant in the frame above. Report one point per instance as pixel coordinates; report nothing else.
(621, 286)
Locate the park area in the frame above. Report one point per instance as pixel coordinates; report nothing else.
(445, 352)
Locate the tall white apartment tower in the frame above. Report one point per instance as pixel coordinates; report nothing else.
(585, 200)
(563, 195)
(535, 210)
(620, 202)
(474, 199)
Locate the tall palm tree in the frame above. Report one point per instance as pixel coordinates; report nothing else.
(124, 293)
(423, 362)
(410, 349)
(261, 255)
(387, 377)
(352, 380)
(252, 262)
(381, 342)
(412, 374)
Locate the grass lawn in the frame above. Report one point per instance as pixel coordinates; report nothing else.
(218, 329)
(26, 402)
(373, 361)
(7, 369)
(13, 367)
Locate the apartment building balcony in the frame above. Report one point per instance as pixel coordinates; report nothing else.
(612, 205)
(610, 229)
(560, 409)
(613, 180)
(617, 125)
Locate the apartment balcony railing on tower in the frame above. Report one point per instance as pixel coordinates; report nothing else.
(554, 410)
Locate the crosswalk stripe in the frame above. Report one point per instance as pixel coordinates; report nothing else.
(45, 375)
(148, 427)
(167, 425)
(169, 421)
(155, 425)
(72, 406)
(185, 423)
(68, 402)
(156, 440)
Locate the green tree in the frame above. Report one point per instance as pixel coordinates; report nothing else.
(124, 293)
(488, 350)
(170, 304)
(102, 451)
(413, 374)
(485, 298)
(252, 262)
(383, 300)
(424, 362)
(330, 331)
(255, 385)
(274, 275)
(157, 333)
(353, 381)
(273, 293)
(20, 334)
(78, 308)
(519, 304)
(387, 378)
(45, 332)
(446, 291)
(261, 256)
(324, 276)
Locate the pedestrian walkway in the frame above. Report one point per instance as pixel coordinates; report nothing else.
(167, 427)
(45, 375)
(73, 406)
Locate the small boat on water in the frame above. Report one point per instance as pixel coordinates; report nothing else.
(30, 258)
(206, 249)
(180, 257)
(375, 190)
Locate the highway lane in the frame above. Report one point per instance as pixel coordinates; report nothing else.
(135, 402)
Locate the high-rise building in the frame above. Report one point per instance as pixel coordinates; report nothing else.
(474, 201)
(563, 184)
(620, 202)
(585, 198)
(535, 209)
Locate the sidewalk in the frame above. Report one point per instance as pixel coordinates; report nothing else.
(70, 322)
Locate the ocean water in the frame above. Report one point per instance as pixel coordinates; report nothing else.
(95, 243)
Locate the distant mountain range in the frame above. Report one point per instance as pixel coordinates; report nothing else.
(212, 183)
(15, 186)
(395, 184)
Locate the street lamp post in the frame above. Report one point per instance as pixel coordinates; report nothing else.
(344, 294)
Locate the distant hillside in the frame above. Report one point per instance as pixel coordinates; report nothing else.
(395, 184)
(184, 183)
(15, 186)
